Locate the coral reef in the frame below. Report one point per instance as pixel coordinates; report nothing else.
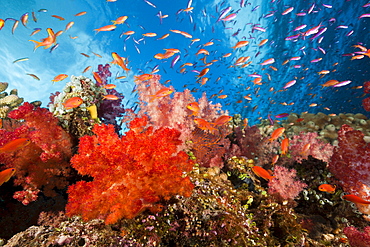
(131, 174)
(77, 121)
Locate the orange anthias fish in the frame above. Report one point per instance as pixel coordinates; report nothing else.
(6, 175)
(117, 59)
(109, 86)
(48, 41)
(110, 97)
(276, 134)
(240, 44)
(355, 199)
(72, 103)
(259, 171)
(105, 28)
(143, 77)
(161, 93)
(120, 20)
(327, 188)
(222, 120)
(284, 146)
(14, 145)
(204, 125)
(194, 107)
(60, 77)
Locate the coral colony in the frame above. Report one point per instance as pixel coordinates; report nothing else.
(184, 172)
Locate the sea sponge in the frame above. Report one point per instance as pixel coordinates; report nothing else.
(3, 86)
(4, 111)
(8, 100)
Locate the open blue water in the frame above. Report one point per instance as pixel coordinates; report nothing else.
(344, 29)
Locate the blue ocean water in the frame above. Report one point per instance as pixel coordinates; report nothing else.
(255, 21)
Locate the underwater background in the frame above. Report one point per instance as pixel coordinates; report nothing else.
(333, 48)
(184, 123)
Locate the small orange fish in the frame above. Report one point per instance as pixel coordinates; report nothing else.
(2, 22)
(222, 120)
(327, 188)
(120, 61)
(69, 25)
(275, 159)
(161, 93)
(14, 145)
(110, 97)
(222, 96)
(81, 13)
(86, 69)
(72, 103)
(6, 175)
(284, 146)
(105, 28)
(58, 17)
(203, 72)
(128, 33)
(194, 107)
(264, 41)
(164, 36)
(260, 172)
(204, 125)
(60, 77)
(330, 83)
(149, 34)
(276, 134)
(305, 149)
(34, 76)
(97, 78)
(48, 41)
(143, 77)
(120, 20)
(355, 199)
(240, 44)
(109, 86)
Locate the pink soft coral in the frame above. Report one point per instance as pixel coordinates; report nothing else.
(131, 173)
(357, 238)
(284, 185)
(44, 164)
(318, 149)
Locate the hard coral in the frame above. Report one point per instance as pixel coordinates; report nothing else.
(42, 165)
(131, 173)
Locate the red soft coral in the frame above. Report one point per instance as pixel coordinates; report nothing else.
(284, 185)
(350, 164)
(131, 173)
(44, 163)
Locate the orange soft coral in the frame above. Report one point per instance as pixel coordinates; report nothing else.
(131, 173)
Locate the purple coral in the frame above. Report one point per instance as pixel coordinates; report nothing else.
(284, 185)
(109, 110)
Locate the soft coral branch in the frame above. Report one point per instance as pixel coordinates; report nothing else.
(44, 164)
(130, 173)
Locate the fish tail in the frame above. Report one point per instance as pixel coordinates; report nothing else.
(37, 44)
